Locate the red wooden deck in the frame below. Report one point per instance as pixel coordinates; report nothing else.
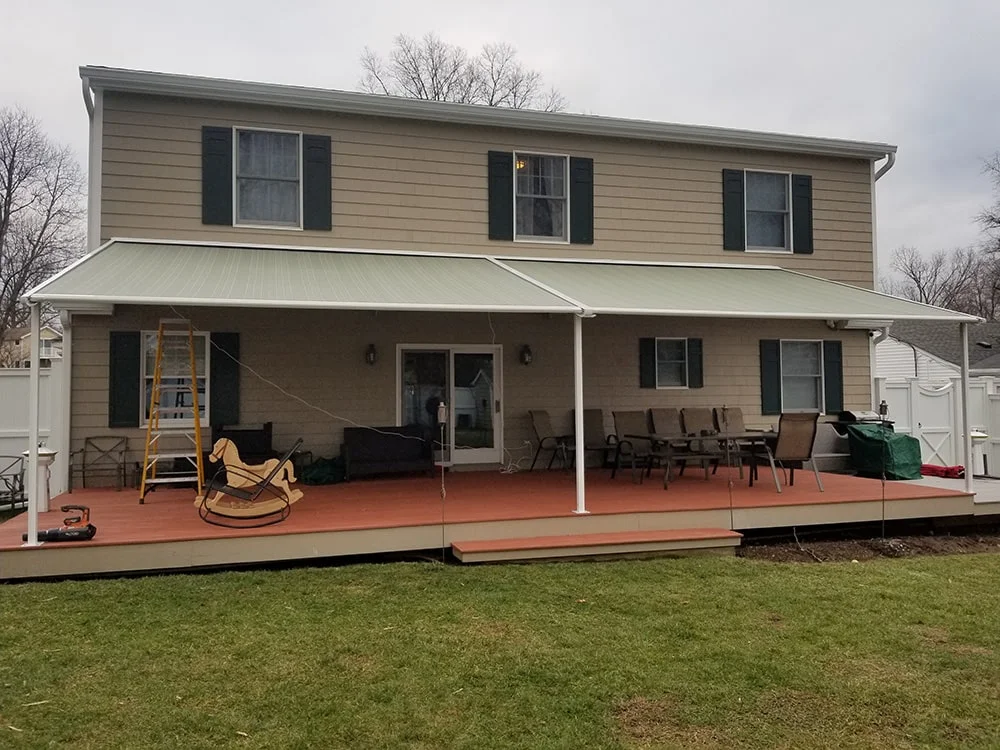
(471, 497)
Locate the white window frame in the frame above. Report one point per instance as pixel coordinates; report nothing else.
(822, 375)
(144, 402)
(533, 238)
(237, 129)
(788, 209)
(687, 364)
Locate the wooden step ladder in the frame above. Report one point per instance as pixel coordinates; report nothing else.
(174, 395)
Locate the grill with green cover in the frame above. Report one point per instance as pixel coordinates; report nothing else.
(875, 447)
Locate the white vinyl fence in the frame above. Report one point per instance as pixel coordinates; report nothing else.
(14, 417)
(933, 415)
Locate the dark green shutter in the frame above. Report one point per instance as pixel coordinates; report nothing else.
(217, 176)
(224, 377)
(124, 393)
(734, 236)
(770, 376)
(647, 363)
(802, 213)
(833, 376)
(696, 377)
(317, 203)
(501, 195)
(581, 201)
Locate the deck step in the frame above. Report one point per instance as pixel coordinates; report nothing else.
(673, 541)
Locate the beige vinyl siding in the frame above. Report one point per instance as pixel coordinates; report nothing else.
(417, 185)
(319, 357)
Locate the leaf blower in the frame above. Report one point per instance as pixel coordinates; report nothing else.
(74, 528)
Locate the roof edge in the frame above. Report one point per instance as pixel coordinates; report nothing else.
(373, 105)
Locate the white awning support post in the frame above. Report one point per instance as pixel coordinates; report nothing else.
(31, 475)
(581, 462)
(966, 431)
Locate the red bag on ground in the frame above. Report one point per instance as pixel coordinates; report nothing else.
(949, 472)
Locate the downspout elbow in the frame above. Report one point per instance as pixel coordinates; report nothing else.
(88, 99)
(881, 335)
(889, 162)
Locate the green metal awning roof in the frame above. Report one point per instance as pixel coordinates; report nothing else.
(728, 291)
(140, 272)
(151, 272)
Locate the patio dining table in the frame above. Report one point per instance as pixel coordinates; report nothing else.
(670, 442)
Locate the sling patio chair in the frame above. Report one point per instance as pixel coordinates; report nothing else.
(793, 448)
(641, 452)
(699, 421)
(548, 440)
(730, 419)
(667, 421)
(595, 439)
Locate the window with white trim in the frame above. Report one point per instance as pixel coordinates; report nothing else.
(671, 363)
(768, 211)
(541, 205)
(268, 182)
(802, 376)
(175, 373)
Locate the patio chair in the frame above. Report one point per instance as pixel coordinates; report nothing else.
(11, 480)
(793, 448)
(595, 439)
(240, 498)
(642, 453)
(730, 419)
(548, 440)
(100, 456)
(699, 421)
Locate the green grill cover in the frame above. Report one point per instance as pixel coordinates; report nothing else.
(875, 448)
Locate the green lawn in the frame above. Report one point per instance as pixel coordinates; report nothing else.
(696, 653)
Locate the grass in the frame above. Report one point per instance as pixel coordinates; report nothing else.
(694, 653)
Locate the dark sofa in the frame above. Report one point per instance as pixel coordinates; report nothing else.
(385, 450)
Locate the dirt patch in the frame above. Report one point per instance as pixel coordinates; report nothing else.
(860, 550)
(941, 638)
(656, 723)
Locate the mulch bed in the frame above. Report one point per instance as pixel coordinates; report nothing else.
(850, 550)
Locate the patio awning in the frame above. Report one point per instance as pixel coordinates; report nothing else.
(721, 291)
(159, 272)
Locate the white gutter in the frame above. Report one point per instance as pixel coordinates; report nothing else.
(371, 105)
(890, 160)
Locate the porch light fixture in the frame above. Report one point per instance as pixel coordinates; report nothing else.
(526, 356)
(370, 354)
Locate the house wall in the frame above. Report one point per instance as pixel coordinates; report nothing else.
(896, 359)
(423, 186)
(319, 357)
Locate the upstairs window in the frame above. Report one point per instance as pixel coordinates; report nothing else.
(541, 206)
(768, 217)
(268, 178)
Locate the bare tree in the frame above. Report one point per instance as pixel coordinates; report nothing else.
(431, 69)
(966, 279)
(41, 211)
(989, 218)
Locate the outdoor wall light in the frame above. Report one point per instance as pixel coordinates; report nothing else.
(370, 354)
(526, 356)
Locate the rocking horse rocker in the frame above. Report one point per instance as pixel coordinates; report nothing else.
(241, 496)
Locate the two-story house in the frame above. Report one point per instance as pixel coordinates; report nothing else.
(356, 259)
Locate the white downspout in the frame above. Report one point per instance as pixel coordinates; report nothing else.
(881, 335)
(33, 391)
(581, 463)
(966, 432)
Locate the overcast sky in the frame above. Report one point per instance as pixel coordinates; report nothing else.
(916, 73)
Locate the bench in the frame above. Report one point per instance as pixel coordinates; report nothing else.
(367, 451)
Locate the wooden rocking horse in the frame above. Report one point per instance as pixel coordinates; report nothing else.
(246, 496)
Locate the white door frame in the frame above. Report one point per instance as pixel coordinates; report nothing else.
(470, 455)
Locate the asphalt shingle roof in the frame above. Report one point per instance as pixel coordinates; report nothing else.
(942, 339)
